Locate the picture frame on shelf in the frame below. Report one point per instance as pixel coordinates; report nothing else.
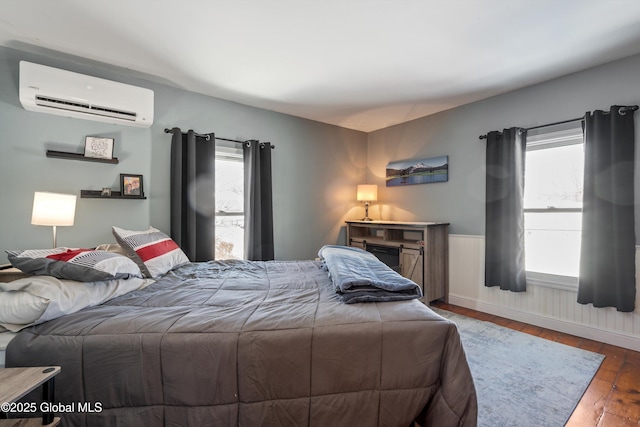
(98, 147)
(131, 185)
(106, 192)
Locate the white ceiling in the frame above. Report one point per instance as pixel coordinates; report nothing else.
(360, 64)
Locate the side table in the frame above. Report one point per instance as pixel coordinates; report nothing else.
(17, 382)
(12, 273)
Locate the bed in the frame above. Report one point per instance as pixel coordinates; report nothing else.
(251, 343)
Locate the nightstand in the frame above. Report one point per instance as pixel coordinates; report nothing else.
(17, 382)
(10, 274)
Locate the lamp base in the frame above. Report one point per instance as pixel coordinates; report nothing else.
(366, 212)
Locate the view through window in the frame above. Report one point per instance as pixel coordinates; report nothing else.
(229, 204)
(553, 203)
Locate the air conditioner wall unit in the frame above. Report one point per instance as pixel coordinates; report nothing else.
(65, 93)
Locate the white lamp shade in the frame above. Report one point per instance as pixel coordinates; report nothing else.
(53, 209)
(367, 193)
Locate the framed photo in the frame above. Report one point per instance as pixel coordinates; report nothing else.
(131, 185)
(97, 147)
(106, 191)
(424, 171)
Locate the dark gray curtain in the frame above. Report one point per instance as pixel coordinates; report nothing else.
(193, 194)
(504, 228)
(607, 257)
(258, 210)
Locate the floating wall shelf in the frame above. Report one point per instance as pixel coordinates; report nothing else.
(97, 194)
(77, 156)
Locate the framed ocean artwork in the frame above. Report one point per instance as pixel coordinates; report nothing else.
(425, 171)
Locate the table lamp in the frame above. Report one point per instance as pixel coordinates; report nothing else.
(53, 209)
(367, 193)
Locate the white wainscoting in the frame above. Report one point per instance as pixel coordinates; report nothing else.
(540, 305)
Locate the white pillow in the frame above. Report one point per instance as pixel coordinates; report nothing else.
(62, 296)
(21, 307)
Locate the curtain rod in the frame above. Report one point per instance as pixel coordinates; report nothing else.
(208, 137)
(623, 110)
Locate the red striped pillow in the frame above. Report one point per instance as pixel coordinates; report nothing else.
(82, 265)
(153, 251)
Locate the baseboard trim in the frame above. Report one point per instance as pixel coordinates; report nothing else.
(630, 342)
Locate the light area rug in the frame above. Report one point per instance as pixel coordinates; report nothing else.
(522, 380)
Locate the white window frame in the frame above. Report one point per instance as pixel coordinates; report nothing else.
(542, 141)
(230, 152)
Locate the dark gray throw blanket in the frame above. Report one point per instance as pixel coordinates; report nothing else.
(358, 276)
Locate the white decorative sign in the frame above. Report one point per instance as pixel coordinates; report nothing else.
(101, 148)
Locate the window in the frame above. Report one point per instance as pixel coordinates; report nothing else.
(229, 203)
(553, 206)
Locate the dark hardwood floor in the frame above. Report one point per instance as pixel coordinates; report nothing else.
(613, 397)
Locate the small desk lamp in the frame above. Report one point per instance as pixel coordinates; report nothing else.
(53, 209)
(367, 194)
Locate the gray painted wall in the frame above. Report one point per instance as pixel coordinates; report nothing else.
(455, 132)
(316, 166)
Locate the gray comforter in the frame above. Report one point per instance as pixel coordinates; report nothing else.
(253, 344)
